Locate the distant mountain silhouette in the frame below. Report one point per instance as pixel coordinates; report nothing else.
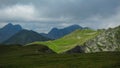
(25, 37)
(56, 33)
(9, 30)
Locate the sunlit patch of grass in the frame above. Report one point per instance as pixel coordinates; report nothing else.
(68, 42)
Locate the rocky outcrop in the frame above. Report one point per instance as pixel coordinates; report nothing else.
(77, 49)
(109, 40)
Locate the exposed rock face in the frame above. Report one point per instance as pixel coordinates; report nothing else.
(77, 49)
(109, 40)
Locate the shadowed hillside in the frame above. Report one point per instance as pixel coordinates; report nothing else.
(26, 36)
(13, 50)
(8, 31)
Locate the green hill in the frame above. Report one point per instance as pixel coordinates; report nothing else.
(19, 50)
(78, 37)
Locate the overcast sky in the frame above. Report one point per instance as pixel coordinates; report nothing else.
(42, 15)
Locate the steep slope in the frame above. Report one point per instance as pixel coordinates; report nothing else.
(76, 38)
(109, 40)
(9, 30)
(25, 37)
(56, 33)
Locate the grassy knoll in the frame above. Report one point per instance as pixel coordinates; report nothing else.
(70, 41)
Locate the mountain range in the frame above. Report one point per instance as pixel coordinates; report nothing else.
(86, 41)
(56, 33)
(107, 40)
(24, 37)
(76, 38)
(72, 39)
(15, 34)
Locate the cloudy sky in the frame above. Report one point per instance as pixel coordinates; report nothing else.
(43, 15)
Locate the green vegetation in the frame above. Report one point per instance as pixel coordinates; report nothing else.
(79, 37)
(27, 57)
(18, 50)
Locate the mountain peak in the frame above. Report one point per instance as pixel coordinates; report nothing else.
(56, 33)
(55, 29)
(24, 37)
(76, 25)
(8, 31)
(18, 26)
(9, 25)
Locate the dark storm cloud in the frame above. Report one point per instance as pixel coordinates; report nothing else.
(83, 12)
(80, 8)
(69, 8)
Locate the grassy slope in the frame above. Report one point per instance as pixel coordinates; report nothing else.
(15, 50)
(23, 60)
(70, 41)
(27, 57)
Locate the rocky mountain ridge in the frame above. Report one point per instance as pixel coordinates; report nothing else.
(108, 40)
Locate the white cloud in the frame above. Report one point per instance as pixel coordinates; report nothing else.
(18, 12)
(2, 24)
